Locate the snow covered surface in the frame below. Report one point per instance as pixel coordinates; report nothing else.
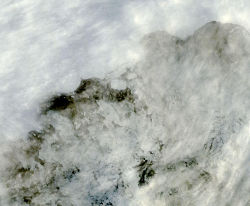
(158, 120)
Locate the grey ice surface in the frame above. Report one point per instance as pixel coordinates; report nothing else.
(171, 130)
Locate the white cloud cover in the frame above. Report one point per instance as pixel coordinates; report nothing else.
(178, 135)
(48, 46)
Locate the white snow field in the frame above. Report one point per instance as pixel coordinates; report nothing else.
(124, 103)
(171, 130)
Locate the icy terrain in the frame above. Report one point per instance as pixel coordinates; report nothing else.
(171, 130)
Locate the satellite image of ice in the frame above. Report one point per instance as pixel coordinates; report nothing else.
(125, 103)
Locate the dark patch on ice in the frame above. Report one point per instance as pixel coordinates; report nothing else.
(189, 162)
(85, 84)
(121, 95)
(35, 136)
(171, 166)
(223, 128)
(27, 199)
(106, 198)
(205, 175)
(22, 171)
(71, 173)
(97, 89)
(146, 172)
(213, 144)
(25, 195)
(214, 22)
(59, 102)
(103, 201)
(173, 191)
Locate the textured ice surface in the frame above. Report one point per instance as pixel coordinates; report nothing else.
(173, 130)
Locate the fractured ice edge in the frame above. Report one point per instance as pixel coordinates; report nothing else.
(177, 134)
